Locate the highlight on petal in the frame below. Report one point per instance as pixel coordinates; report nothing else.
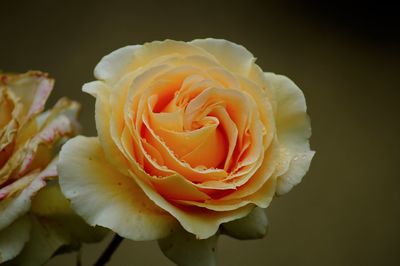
(94, 88)
(293, 130)
(13, 238)
(253, 226)
(112, 66)
(185, 250)
(115, 65)
(233, 56)
(103, 196)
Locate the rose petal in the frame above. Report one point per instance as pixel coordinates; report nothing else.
(32, 88)
(185, 250)
(293, 130)
(13, 238)
(233, 56)
(94, 87)
(16, 205)
(199, 221)
(112, 66)
(103, 196)
(124, 60)
(103, 113)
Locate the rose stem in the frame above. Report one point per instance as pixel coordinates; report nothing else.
(108, 252)
(79, 258)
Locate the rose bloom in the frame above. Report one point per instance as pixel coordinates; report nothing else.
(193, 133)
(28, 140)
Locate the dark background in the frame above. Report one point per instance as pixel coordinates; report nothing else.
(344, 57)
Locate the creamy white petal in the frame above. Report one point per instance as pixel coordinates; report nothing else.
(13, 238)
(112, 66)
(185, 250)
(233, 56)
(253, 226)
(94, 87)
(103, 196)
(293, 130)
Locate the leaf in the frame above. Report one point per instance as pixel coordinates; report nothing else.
(185, 250)
(253, 226)
(13, 238)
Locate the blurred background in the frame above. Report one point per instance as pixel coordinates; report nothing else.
(346, 59)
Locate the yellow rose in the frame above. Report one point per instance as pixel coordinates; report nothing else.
(188, 132)
(28, 140)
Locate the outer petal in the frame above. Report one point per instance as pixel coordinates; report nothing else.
(293, 130)
(103, 114)
(127, 59)
(13, 238)
(113, 66)
(253, 226)
(233, 56)
(103, 196)
(185, 250)
(32, 88)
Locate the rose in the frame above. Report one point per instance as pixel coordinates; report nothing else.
(191, 132)
(28, 140)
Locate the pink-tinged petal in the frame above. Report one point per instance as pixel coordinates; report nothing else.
(103, 196)
(11, 110)
(293, 131)
(18, 199)
(29, 149)
(60, 127)
(32, 88)
(13, 238)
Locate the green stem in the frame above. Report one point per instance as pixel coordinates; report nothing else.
(109, 251)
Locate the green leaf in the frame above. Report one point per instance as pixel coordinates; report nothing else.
(253, 226)
(13, 238)
(185, 250)
(55, 228)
